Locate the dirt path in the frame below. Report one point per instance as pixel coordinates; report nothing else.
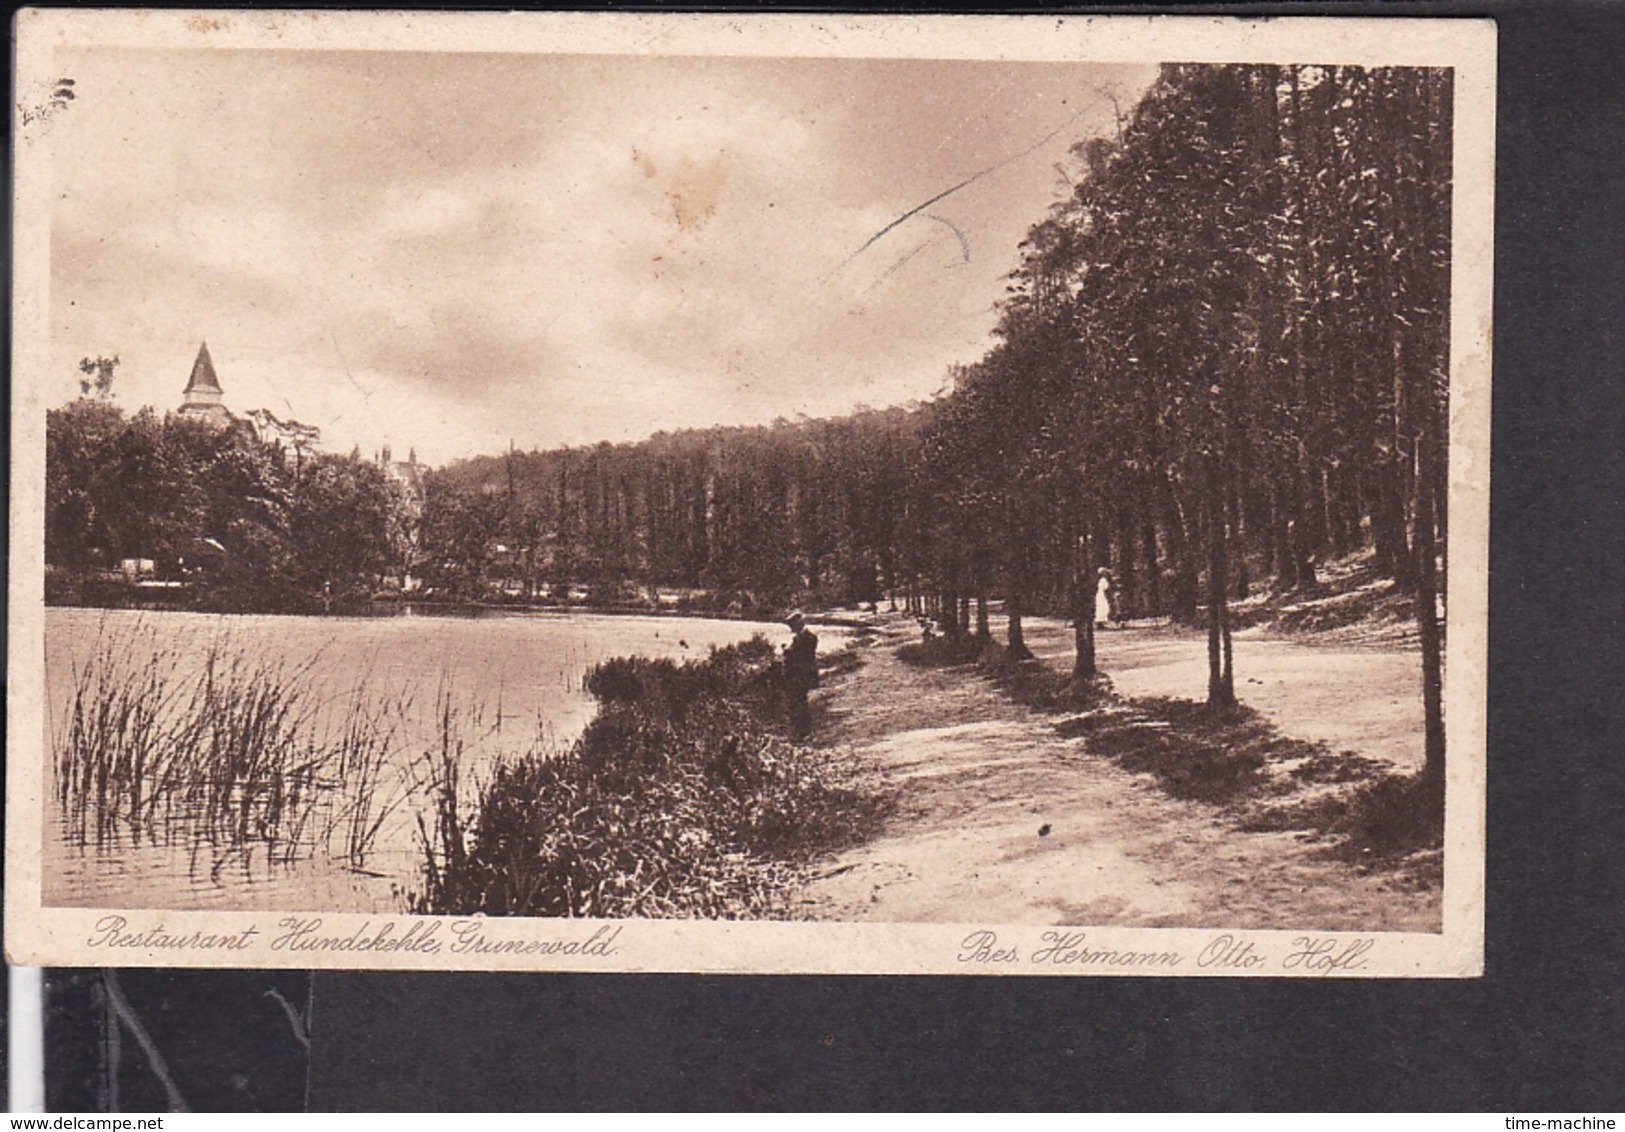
(1362, 699)
(1001, 820)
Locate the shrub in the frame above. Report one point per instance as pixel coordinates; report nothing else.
(678, 800)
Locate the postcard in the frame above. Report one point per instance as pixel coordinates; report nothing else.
(770, 493)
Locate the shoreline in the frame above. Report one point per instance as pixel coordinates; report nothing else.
(393, 607)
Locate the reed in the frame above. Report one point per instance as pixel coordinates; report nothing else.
(370, 784)
(445, 847)
(251, 770)
(113, 760)
(230, 750)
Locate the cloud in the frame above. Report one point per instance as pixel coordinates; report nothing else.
(448, 251)
(409, 212)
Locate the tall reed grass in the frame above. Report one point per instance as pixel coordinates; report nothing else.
(364, 756)
(233, 751)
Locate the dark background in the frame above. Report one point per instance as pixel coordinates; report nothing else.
(1543, 1030)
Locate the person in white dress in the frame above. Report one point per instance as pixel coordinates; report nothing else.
(1103, 600)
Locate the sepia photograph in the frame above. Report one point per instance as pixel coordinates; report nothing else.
(778, 494)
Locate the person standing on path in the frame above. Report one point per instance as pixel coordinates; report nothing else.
(1103, 598)
(800, 673)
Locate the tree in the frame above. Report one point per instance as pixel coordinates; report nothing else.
(459, 529)
(340, 519)
(98, 376)
(78, 440)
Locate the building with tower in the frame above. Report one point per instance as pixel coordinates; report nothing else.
(204, 399)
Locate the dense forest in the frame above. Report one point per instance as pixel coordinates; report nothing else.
(753, 518)
(1221, 361)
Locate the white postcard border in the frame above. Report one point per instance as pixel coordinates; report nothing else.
(142, 937)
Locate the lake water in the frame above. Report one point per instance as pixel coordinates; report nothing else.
(514, 677)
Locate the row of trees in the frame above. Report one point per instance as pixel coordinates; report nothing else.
(247, 522)
(1225, 355)
(754, 517)
(1223, 359)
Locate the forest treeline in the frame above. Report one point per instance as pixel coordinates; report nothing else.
(236, 518)
(749, 519)
(1223, 359)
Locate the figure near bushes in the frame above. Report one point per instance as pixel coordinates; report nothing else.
(800, 674)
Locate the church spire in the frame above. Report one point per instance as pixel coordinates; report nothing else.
(203, 378)
(204, 398)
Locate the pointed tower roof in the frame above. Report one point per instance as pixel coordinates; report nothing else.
(203, 378)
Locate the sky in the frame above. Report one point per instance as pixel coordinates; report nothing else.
(447, 252)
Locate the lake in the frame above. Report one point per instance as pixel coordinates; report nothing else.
(515, 679)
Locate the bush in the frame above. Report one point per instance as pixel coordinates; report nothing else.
(679, 799)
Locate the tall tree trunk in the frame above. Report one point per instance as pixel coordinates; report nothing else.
(1015, 638)
(1432, 472)
(1336, 513)
(1240, 579)
(1385, 552)
(1083, 613)
(1272, 535)
(1427, 620)
(1128, 587)
(1221, 688)
(1153, 567)
(1316, 522)
(1394, 554)
(1182, 551)
(1300, 566)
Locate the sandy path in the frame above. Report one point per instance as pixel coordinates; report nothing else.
(1001, 820)
(1363, 699)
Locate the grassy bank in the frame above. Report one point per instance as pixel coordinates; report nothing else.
(681, 798)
